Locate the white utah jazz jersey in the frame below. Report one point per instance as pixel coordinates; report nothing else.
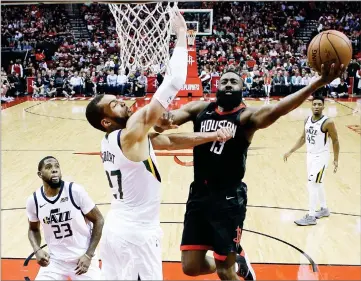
(317, 141)
(134, 185)
(67, 232)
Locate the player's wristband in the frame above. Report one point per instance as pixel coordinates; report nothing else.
(37, 251)
(88, 256)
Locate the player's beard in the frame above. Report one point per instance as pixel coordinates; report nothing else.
(54, 185)
(121, 121)
(228, 100)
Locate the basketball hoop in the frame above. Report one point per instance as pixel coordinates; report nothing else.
(144, 33)
(191, 37)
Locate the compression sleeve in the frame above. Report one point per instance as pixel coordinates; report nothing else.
(175, 78)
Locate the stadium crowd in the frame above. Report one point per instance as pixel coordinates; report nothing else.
(256, 39)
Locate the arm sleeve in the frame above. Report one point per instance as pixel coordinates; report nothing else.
(31, 209)
(175, 78)
(82, 199)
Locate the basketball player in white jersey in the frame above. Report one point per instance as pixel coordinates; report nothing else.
(317, 131)
(72, 226)
(130, 248)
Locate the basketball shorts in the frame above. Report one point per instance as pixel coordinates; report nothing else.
(60, 270)
(124, 260)
(214, 219)
(316, 166)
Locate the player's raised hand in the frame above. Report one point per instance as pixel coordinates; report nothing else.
(179, 24)
(224, 134)
(166, 122)
(42, 258)
(331, 73)
(83, 265)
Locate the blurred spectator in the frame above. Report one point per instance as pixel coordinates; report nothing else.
(141, 85)
(256, 39)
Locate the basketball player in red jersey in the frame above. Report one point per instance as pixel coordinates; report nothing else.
(216, 206)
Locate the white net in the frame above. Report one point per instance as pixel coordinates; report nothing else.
(144, 32)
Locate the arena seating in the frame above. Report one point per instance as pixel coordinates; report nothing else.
(260, 40)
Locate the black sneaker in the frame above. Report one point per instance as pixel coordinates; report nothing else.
(245, 269)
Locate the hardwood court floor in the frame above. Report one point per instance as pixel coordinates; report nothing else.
(277, 195)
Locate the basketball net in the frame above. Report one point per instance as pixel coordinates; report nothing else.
(144, 32)
(191, 37)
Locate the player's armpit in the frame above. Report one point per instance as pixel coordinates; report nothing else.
(261, 117)
(141, 121)
(330, 128)
(34, 226)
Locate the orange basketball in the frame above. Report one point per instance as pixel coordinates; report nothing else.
(329, 47)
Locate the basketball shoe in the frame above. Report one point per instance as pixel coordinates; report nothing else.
(244, 268)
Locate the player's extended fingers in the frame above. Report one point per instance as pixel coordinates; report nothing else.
(47, 256)
(168, 115)
(341, 70)
(79, 270)
(333, 71)
(221, 136)
(228, 132)
(43, 262)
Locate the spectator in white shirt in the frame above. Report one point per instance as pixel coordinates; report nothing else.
(305, 80)
(76, 83)
(112, 81)
(122, 81)
(109, 63)
(296, 79)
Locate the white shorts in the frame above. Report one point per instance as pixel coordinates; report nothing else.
(60, 270)
(123, 260)
(316, 166)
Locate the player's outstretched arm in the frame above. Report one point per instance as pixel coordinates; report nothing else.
(174, 118)
(188, 140)
(267, 115)
(34, 236)
(140, 122)
(34, 233)
(300, 142)
(330, 127)
(97, 219)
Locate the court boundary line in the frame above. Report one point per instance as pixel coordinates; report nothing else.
(311, 261)
(183, 203)
(253, 263)
(59, 117)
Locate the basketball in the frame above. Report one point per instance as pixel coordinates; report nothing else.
(329, 47)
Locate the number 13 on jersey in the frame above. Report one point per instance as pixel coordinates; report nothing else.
(217, 147)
